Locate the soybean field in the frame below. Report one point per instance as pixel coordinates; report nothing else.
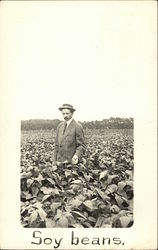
(95, 193)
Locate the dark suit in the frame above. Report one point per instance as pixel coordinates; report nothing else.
(69, 143)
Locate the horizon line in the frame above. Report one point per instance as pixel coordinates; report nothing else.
(78, 120)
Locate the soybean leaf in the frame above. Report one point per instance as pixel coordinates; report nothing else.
(46, 197)
(75, 203)
(76, 225)
(42, 214)
(62, 222)
(55, 205)
(111, 188)
(35, 190)
(29, 182)
(102, 194)
(50, 223)
(51, 181)
(33, 216)
(76, 182)
(88, 204)
(103, 174)
(46, 190)
(79, 214)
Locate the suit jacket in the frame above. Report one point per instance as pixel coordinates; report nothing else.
(70, 143)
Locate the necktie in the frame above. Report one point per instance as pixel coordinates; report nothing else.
(65, 126)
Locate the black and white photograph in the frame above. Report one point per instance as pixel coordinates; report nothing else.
(78, 125)
(77, 174)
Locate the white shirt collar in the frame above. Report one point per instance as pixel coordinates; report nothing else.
(69, 121)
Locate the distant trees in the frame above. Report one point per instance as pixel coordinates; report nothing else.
(111, 123)
(37, 124)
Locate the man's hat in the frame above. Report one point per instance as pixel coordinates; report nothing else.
(67, 106)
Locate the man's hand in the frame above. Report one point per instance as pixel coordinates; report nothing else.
(74, 159)
(55, 163)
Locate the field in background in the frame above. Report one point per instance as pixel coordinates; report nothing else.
(98, 192)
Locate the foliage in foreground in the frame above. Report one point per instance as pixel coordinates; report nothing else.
(98, 192)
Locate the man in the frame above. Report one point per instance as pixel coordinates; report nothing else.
(69, 141)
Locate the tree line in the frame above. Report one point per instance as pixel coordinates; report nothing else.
(48, 124)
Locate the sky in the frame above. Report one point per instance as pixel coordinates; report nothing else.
(97, 57)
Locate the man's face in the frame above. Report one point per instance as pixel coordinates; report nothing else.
(67, 114)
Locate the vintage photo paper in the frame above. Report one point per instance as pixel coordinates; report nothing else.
(78, 125)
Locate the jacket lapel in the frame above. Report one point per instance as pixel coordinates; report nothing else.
(68, 129)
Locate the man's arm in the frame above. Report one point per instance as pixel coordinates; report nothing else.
(80, 141)
(56, 145)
